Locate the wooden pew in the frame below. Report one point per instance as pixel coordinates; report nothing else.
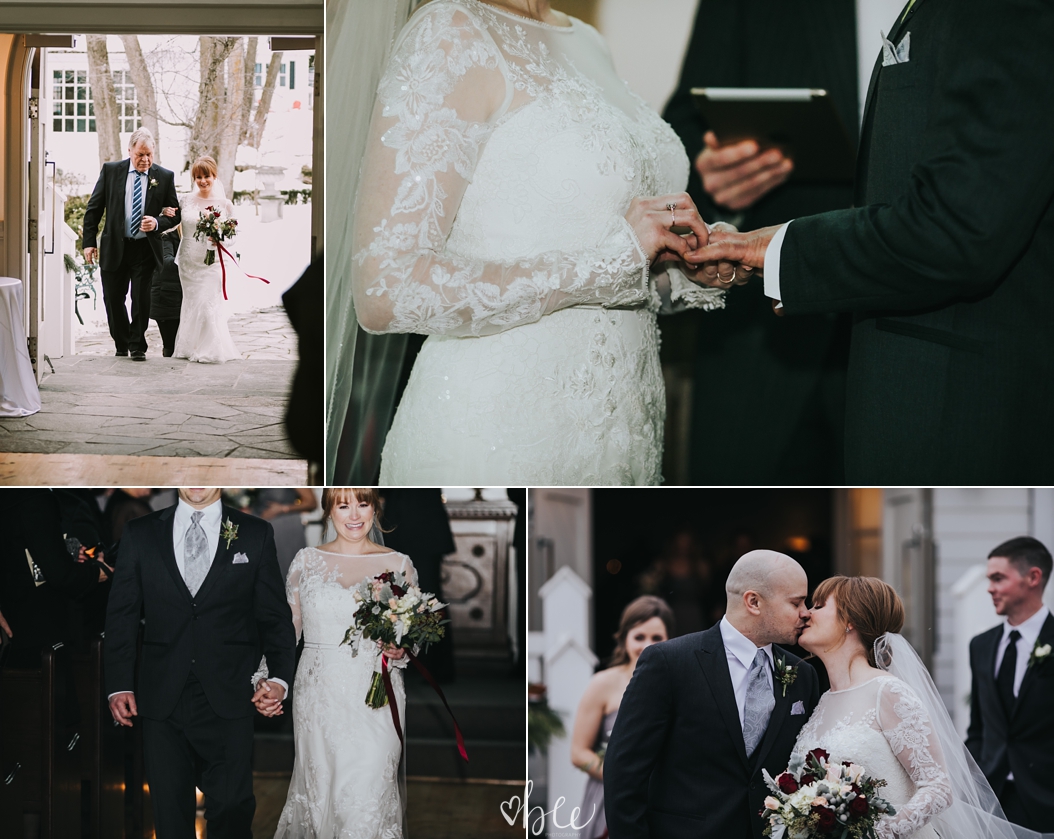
(36, 736)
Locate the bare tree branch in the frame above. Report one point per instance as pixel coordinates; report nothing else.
(144, 85)
(263, 107)
(101, 81)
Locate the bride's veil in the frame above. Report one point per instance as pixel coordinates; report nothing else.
(975, 812)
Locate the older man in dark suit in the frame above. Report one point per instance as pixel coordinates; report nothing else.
(132, 193)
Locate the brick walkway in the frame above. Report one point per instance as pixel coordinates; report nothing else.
(95, 403)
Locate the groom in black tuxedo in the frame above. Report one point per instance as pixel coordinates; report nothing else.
(1011, 734)
(131, 192)
(205, 580)
(945, 261)
(705, 713)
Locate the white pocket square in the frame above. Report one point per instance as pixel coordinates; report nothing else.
(899, 54)
(797, 708)
(239, 558)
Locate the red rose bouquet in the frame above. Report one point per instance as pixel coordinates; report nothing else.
(816, 797)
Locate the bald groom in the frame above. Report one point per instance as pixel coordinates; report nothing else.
(682, 763)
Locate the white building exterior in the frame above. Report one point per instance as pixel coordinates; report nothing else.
(72, 143)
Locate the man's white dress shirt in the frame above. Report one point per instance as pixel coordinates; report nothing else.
(128, 186)
(873, 17)
(210, 523)
(740, 652)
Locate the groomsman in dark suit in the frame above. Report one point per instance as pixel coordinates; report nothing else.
(681, 762)
(205, 579)
(131, 192)
(1011, 734)
(945, 261)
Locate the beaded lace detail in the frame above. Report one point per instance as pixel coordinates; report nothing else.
(882, 726)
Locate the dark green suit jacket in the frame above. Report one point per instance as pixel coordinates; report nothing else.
(948, 260)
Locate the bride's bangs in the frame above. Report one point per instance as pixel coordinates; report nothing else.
(332, 496)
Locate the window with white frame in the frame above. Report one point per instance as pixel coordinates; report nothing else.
(127, 100)
(260, 75)
(73, 105)
(73, 110)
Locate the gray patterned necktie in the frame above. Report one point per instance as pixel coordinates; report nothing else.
(759, 703)
(195, 554)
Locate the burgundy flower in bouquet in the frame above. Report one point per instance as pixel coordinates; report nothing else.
(212, 227)
(817, 796)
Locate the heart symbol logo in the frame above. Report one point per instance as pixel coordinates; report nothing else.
(514, 805)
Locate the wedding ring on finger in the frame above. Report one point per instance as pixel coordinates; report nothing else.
(728, 280)
(672, 207)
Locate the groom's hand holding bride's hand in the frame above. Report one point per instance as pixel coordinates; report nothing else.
(720, 273)
(268, 698)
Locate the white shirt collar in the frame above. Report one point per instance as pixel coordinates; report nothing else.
(1030, 628)
(131, 169)
(211, 519)
(740, 646)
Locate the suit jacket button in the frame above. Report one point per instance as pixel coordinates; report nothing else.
(193, 661)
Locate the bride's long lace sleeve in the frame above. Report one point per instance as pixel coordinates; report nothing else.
(445, 89)
(292, 592)
(907, 729)
(292, 596)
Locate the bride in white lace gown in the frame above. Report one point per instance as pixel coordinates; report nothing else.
(203, 334)
(504, 210)
(346, 776)
(870, 717)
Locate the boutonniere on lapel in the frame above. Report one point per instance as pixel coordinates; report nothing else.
(1039, 655)
(785, 673)
(229, 532)
(152, 184)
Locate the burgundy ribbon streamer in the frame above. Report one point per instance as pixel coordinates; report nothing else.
(428, 678)
(223, 269)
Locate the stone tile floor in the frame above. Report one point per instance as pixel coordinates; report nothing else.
(95, 403)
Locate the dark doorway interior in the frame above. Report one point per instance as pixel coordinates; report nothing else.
(680, 544)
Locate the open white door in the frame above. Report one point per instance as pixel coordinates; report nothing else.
(37, 224)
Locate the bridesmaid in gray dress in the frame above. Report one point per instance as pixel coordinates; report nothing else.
(646, 621)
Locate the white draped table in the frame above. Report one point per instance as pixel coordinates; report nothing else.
(19, 396)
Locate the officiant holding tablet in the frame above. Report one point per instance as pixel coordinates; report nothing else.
(785, 376)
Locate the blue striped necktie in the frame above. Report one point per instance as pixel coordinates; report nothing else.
(137, 205)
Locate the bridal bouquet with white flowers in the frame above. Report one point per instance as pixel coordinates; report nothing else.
(817, 797)
(212, 227)
(393, 611)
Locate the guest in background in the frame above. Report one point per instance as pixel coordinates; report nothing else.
(84, 526)
(283, 508)
(166, 292)
(122, 506)
(420, 528)
(1011, 733)
(645, 621)
(38, 577)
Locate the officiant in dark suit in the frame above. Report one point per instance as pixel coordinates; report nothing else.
(785, 377)
(132, 193)
(945, 261)
(704, 714)
(1011, 734)
(205, 579)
